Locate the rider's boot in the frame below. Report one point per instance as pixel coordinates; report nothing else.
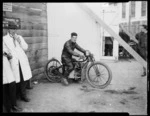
(65, 77)
(70, 80)
(64, 81)
(79, 81)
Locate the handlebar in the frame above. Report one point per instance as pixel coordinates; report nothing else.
(82, 60)
(90, 55)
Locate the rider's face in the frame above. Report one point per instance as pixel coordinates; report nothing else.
(74, 38)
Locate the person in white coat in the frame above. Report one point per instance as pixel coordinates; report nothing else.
(19, 62)
(9, 84)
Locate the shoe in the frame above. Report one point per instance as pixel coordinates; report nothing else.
(16, 109)
(64, 81)
(70, 80)
(25, 99)
(78, 81)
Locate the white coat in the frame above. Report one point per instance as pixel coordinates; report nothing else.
(8, 76)
(18, 55)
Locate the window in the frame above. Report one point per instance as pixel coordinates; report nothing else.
(143, 8)
(132, 8)
(123, 10)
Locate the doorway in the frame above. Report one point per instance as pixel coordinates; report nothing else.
(109, 48)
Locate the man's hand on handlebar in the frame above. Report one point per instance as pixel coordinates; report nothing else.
(81, 56)
(87, 53)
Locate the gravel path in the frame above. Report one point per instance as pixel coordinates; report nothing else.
(126, 93)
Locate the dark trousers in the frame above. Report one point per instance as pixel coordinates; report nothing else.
(9, 96)
(4, 109)
(68, 66)
(29, 83)
(143, 53)
(108, 49)
(21, 86)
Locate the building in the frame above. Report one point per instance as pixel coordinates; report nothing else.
(47, 26)
(64, 18)
(133, 14)
(33, 27)
(108, 14)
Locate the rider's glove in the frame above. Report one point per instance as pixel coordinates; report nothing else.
(87, 53)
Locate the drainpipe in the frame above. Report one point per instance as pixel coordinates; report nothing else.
(129, 23)
(103, 20)
(103, 38)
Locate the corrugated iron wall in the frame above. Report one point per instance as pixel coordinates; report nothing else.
(33, 18)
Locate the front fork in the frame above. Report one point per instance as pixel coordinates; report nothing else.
(95, 67)
(83, 72)
(96, 70)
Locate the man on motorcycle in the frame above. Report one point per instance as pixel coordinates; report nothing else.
(66, 57)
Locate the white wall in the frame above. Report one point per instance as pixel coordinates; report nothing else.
(111, 16)
(64, 18)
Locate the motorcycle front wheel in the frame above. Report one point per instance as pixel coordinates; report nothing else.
(98, 75)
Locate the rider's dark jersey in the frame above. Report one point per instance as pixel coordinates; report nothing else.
(68, 49)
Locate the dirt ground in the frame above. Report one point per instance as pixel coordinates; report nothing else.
(126, 93)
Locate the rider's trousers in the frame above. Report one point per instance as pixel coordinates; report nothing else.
(68, 66)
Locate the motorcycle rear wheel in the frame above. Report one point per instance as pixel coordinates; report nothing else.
(51, 74)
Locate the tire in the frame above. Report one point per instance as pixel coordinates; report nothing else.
(92, 82)
(55, 78)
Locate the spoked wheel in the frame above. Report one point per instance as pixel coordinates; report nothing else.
(98, 75)
(53, 70)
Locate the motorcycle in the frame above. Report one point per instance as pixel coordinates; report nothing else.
(98, 74)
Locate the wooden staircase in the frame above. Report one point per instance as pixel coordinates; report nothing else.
(112, 33)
